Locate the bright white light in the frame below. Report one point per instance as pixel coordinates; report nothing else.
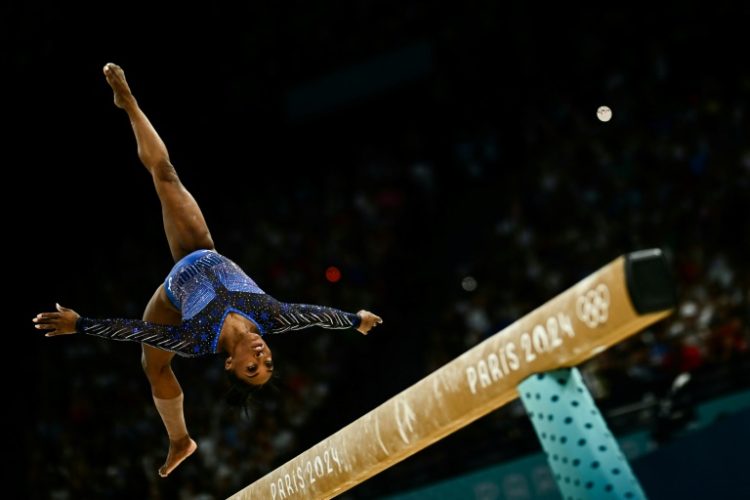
(604, 113)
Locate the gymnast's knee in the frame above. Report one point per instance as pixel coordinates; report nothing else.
(164, 173)
(154, 371)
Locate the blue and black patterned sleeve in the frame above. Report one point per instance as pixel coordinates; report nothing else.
(273, 316)
(301, 316)
(167, 337)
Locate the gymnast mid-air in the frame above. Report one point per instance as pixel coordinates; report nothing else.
(206, 305)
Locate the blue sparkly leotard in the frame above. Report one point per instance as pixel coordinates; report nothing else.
(206, 286)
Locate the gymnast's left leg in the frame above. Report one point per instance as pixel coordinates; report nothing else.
(165, 388)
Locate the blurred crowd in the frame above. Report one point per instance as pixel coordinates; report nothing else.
(450, 235)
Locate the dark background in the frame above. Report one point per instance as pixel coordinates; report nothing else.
(480, 156)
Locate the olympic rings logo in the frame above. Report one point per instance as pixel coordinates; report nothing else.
(593, 307)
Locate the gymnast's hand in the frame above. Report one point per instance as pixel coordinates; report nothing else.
(62, 322)
(368, 322)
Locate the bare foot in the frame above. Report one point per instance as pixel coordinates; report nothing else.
(178, 451)
(116, 79)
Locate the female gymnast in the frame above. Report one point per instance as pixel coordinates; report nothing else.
(206, 305)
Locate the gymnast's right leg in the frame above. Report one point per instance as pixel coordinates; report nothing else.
(184, 223)
(186, 232)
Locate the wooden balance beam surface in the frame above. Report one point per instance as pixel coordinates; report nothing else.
(606, 307)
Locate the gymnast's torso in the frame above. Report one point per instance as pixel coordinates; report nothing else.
(198, 278)
(206, 287)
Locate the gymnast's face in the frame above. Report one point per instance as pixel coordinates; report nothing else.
(251, 361)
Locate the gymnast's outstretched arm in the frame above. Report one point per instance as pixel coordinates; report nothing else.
(165, 337)
(272, 316)
(279, 317)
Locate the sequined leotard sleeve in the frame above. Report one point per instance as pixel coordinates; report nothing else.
(167, 337)
(206, 287)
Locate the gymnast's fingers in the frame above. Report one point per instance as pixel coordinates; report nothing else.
(45, 326)
(56, 333)
(46, 316)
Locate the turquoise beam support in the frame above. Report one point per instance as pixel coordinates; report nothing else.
(585, 459)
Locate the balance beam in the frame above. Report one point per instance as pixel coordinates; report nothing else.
(622, 298)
